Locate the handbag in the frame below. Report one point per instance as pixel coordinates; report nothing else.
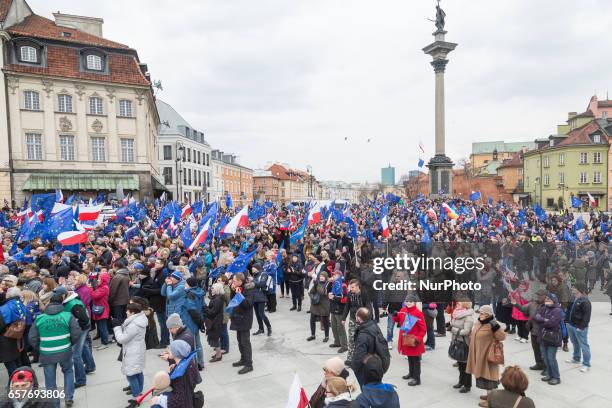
(97, 310)
(409, 340)
(458, 350)
(551, 337)
(15, 330)
(495, 355)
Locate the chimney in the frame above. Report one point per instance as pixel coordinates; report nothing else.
(571, 115)
(90, 25)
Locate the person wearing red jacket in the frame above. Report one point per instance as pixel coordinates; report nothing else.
(411, 342)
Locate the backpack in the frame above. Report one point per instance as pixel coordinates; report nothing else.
(381, 349)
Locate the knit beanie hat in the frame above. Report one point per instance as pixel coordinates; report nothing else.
(487, 309)
(177, 275)
(174, 321)
(180, 348)
(334, 365)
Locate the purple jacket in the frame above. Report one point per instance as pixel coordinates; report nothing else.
(84, 293)
(550, 318)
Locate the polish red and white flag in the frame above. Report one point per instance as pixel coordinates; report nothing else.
(297, 394)
(240, 220)
(89, 212)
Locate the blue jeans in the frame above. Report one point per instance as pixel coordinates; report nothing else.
(136, 382)
(81, 356)
(50, 371)
(224, 338)
(580, 341)
(163, 330)
(103, 330)
(431, 337)
(390, 326)
(198, 344)
(549, 354)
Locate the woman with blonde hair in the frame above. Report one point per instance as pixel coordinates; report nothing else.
(214, 319)
(44, 296)
(338, 392)
(32, 309)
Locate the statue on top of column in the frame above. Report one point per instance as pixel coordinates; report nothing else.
(440, 16)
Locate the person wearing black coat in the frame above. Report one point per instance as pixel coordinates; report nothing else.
(242, 321)
(150, 289)
(365, 342)
(214, 319)
(295, 278)
(262, 282)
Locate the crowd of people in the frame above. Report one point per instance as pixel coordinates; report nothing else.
(155, 276)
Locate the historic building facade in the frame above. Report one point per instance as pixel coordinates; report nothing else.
(230, 177)
(81, 111)
(184, 156)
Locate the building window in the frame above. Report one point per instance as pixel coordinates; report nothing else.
(561, 159)
(583, 177)
(199, 157)
(189, 176)
(545, 161)
(546, 180)
(94, 62)
(95, 106)
(125, 108)
(584, 158)
(167, 173)
(127, 150)
(596, 177)
(28, 54)
(604, 115)
(168, 153)
(527, 181)
(98, 149)
(550, 202)
(185, 177)
(597, 157)
(208, 159)
(64, 103)
(189, 155)
(597, 138)
(561, 178)
(31, 100)
(66, 147)
(34, 146)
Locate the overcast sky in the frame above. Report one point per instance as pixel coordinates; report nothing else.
(288, 80)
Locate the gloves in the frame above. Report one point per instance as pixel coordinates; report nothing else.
(495, 326)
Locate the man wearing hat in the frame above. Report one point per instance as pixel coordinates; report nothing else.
(119, 292)
(530, 310)
(173, 290)
(53, 333)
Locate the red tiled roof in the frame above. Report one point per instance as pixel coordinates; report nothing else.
(581, 135)
(514, 161)
(604, 104)
(5, 5)
(40, 27)
(63, 62)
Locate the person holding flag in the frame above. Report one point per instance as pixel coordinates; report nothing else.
(241, 315)
(412, 331)
(262, 282)
(337, 299)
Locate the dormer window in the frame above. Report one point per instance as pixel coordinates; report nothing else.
(28, 54)
(26, 51)
(93, 60)
(596, 138)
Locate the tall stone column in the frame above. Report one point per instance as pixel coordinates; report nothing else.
(440, 166)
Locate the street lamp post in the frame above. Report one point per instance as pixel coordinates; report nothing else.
(309, 170)
(563, 188)
(179, 148)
